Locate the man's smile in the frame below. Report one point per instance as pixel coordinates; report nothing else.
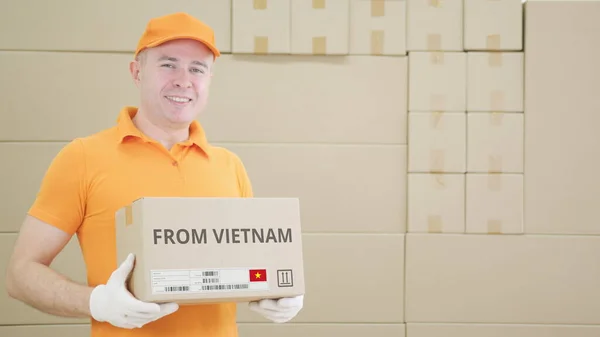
(178, 99)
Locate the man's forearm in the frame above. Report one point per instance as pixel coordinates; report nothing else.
(46, 290)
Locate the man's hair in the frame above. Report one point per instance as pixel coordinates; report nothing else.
(141, 57)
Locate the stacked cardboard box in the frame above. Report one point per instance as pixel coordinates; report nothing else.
(321, 27)
(437, 140)
(562, 115)
(260, 27)
(494, 185)
(377, 27)
(465, 116)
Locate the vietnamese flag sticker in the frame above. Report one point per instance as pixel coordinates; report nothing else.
(258, 275)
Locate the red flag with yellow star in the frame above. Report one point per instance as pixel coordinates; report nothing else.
(258, 275)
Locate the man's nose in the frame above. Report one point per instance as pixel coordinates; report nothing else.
(183, 80)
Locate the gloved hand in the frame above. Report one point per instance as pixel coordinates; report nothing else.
(114, 304)
(280, 310)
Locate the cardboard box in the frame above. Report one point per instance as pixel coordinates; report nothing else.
(494, 203)
(437, 81)
(200, 250)
(100, 27)
(436, 203)
(495, 81)
(562, 116)
(493, 25)
(378, 27)
(320, 27)
(548, 281)
(495, 142)
(434, 25)
(261, 26)
(437, 142)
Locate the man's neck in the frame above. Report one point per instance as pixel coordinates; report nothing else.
(167, 137)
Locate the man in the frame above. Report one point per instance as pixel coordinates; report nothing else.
(156, 150)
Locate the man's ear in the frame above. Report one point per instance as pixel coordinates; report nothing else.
(134, 69)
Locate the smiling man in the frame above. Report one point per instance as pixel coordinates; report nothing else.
(158, 149)
(173, 76)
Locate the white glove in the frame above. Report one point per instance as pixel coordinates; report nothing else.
(114, 304)
(280, 310)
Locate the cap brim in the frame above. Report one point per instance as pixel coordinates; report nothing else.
(214, 49)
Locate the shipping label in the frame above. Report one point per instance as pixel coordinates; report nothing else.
(190, 281)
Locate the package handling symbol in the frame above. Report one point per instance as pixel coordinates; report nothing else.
(285, 278)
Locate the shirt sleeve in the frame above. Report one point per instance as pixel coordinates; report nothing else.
(61, 198)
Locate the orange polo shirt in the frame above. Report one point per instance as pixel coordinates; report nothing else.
(92, 177)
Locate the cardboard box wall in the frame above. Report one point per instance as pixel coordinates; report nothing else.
(201, 250)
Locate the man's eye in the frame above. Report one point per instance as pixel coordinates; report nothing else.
(198, 70)
(167, 65)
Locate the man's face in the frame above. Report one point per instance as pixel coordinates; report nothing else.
(174, 80)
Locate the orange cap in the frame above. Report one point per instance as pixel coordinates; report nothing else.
(177, 26)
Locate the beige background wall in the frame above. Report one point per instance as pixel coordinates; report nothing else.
(445, 192)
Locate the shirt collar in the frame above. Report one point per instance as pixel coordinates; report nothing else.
(126, 129)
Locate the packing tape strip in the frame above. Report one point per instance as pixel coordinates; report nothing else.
(261, 45)
(496, 118)
(497, 100)
(437, 102)
(495, 59)
(128, 215)
(434, 224)
(377, 8)
(437, 57)
(436, 161)
(493, 42)
(435, 3)
(495, 164)
(319, 45)
(377, 38)
(494, 181)
(436, 118)
(260, 4)
(434, 42)
(318, 4)
(494, 226)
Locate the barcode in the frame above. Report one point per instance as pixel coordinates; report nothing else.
(225, 287)
(210, 280)
(182, 288)
(210, 273)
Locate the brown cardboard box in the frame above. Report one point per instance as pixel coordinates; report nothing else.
(199, 250)
(437, 81)
(562, 116)
(437, 142)
(495, 142)
(494, 203)
(434, 25)
(491, 281)
(493, 25)
(104, 29)
(436, 203)
(495, 81)
(320, 27)
(260, 26)
(377, 27)
(526, 329)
